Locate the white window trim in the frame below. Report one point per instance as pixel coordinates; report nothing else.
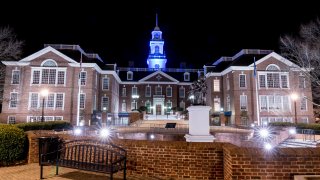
(15, 119)
(218, 81)
(184, 92)
(148, 95)
(273, 72)
(245, 81)
(10, 100)
(84, 101)
(169, 87)
(124, 92)
(131, 73)
(107, 85)
(12, 76)
(40, 75)
(246, 98)
(85, 79)
(102, 103)
(186, 76)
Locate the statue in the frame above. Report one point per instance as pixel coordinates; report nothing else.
(198, 91)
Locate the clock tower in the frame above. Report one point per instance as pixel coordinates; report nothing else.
(157, 58)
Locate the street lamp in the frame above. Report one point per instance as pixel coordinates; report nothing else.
(44, 93)
(294, 97)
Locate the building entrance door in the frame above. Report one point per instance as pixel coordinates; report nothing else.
(158, 109)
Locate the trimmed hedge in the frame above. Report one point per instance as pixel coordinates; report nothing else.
(12, 144)
(298, 126)
(50, 125)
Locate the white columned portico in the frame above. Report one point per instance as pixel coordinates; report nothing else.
(199, 129)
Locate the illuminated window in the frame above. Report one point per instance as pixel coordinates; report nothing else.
(302, 82)
(158, 90)
(105, 103)
(216, 104)
(216, 85)
(243, 103)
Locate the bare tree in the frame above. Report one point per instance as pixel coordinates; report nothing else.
(304, 50)
(10, 49)
(198, 90)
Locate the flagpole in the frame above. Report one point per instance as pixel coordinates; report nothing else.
(257, 95)
(79, 91)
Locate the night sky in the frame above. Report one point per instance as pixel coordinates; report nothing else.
(196, 33)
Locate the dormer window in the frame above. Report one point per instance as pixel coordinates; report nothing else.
(186, 76)
(129, 75)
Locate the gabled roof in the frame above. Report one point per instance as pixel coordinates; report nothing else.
(44, 51)
(171, 79)
(276, 56)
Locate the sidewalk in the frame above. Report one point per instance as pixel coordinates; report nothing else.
(32, 172)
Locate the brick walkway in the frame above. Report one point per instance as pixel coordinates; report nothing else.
(32, 172)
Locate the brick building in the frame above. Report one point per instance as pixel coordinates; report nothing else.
(256, 86)
(106, 91)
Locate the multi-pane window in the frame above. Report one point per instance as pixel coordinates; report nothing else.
(48, 76)
(216, 85)
(262, 81)
(11, 120)
(169, 91)
(133, 105)
(59, 100)
(13, 100)
(186, 76)
(105, 103)
(82, 100)
(242, 80)
(15, 77)
(274, 103)
(148, 91)
(36, 77)
(284, 81)
(105, 84)
(34, 100)
(216, 104)
(134, 91)
(263, 103)
(303, 104)
(50, 101)
(124, 92)
(302, 82)
(158, 90)
(83, 78)
(273, 80)
(304, 120)
(243, 103)
(61, 77)
(181, 92)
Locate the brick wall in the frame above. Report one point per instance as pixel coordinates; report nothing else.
(185, 160)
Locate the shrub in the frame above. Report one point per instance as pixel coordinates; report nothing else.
(281, 124)
(12, 144)
(298, 126)
(50, 125)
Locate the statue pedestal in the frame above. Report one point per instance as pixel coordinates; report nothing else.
(199, 129)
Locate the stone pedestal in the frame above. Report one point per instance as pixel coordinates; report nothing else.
(199, 129)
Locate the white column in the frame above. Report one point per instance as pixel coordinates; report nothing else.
(199, 129)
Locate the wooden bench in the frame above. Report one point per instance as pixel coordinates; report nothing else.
(88, 155)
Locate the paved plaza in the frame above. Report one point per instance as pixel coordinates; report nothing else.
(32, 172)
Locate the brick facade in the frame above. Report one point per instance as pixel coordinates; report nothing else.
(186, 160)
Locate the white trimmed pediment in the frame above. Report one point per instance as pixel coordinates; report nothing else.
(158, 76)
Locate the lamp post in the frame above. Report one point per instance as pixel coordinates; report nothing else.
(294, 97)
(44, 93)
